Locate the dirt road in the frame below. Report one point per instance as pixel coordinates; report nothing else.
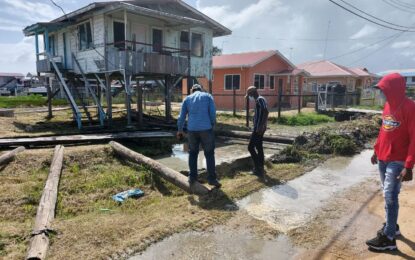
(365, 215)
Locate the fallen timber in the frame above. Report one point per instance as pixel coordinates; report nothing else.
(8, 156)
(267, 137)
(165, 172)
(86, 138)
(39, 242)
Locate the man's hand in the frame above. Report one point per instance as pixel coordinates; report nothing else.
(406, 175)
(374, 159)
(180, 135)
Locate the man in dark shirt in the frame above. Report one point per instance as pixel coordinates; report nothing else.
(260, 126)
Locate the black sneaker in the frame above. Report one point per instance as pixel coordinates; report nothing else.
(257, 172)
(397, 232)
(382, 243)
(215, 183)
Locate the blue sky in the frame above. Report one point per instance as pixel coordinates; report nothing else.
(297, 28)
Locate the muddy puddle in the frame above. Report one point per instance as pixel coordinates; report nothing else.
(283, 207)
(293, 204)
(225, 152)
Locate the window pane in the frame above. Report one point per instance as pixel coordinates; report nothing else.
(197, 45)
(256, 81)
(262, 82)
(228, 82)
(119, 35)
(184, 42)
(157, 40)
(88, 35)
(236, 81)
(82, 37)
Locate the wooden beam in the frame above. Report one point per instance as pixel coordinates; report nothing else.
(8, 156)
(39, 242)
(165, 172)
(267, 138)
(87, 138)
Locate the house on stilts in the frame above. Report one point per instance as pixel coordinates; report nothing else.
(162, 41)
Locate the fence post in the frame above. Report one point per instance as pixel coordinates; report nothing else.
(234, 101)
(279, 101)
(247, 111)
(299, 100)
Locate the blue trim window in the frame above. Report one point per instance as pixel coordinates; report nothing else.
(85, 36)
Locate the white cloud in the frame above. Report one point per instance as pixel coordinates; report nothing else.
(234, 19)
(365, 31)
(402, 44)
(34, 11)
(18, 57)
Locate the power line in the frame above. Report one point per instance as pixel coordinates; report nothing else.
(397, 7)
(397, 25)
(403, 4)
(304, 39)
(369, 20)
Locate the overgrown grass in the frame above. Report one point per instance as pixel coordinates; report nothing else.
(28, 101)
(375, 107)
(303, 119)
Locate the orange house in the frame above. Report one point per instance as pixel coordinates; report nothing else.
(267, 70)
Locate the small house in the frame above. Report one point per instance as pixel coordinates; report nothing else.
(158, 40)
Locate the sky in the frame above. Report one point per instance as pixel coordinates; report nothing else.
(302, 30)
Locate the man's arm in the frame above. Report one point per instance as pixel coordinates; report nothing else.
(182, 116)
(410, 157)
(262, 117)
(212, 111)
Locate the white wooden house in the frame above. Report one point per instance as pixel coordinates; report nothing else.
(162, 40)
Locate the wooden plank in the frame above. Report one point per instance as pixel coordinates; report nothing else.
(165, 172)
(267, 137)
(39, 242)
(70, 139)
(8, 156)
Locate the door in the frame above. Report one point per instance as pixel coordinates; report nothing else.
(119, 35)
(138, 35)
(157, 40)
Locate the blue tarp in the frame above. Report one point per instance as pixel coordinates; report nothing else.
(134, 193)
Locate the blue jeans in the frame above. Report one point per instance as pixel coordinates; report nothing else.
(391, 185)
(207, 139)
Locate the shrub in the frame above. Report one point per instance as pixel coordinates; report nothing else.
(303, 119)
(342, 145)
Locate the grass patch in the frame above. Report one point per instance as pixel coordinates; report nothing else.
(28, 101)
(303, 119)
(375, 107)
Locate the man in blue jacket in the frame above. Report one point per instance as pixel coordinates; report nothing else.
(200, 109)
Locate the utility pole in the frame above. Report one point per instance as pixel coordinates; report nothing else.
(327, 39)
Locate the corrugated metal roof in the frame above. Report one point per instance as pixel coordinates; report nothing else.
(246, 59)
(326, 68)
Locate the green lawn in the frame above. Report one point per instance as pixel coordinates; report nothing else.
(27, 101)
(303, 119)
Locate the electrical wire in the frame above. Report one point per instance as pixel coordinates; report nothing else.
(369, 20)
(397, 7)
(374, 17)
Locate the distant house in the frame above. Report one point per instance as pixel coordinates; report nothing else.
(408, 74)
(267, 70)
(327, 72)
(159, 40)
(10, 83)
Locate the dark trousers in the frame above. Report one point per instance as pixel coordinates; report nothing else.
(207, 139)
(256, 150)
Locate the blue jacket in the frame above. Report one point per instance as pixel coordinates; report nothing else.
(201, 112)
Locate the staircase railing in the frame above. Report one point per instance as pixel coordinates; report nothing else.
(101, 112)
(74, 106)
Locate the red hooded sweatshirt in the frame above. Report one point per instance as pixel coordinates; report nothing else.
(396, 140)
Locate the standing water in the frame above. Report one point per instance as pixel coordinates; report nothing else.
(293, 204)
(284, 207)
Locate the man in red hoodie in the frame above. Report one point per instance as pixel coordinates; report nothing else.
(395, 153)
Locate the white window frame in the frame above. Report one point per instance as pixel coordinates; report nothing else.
(92, 35)
(269, 80)
(259, 74)
(203, 43)
(224, 82)
(163, 36)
